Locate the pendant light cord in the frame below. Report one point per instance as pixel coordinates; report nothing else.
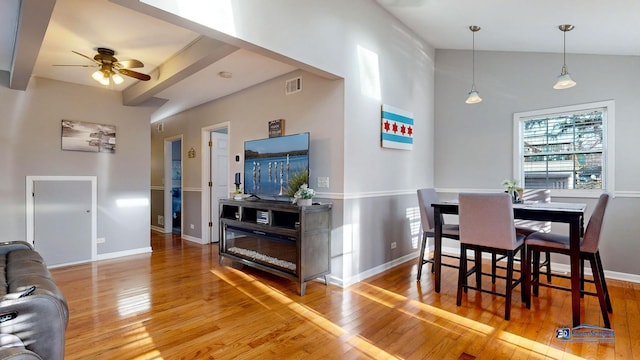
(473, 61)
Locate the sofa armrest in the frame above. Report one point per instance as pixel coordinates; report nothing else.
(39, 320)
(18, 354)
(8, 246)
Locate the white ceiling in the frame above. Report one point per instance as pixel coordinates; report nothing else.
(609, 27)
(601, 27)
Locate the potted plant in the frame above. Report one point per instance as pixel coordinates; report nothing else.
(237, 194)
(304, 195)
(511, 187)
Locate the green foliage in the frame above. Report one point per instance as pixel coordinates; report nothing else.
(297, 180)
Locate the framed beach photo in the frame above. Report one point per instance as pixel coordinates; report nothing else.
(90, 137)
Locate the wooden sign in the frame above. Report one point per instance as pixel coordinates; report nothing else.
(276, 128)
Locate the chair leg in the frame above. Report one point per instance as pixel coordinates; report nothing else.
(599, 290)
(525, 276)
(604, 282)
(582, 277)
(547, 261)
(478, 267)
(462, 274)
(509, 286)
(494, 267)
(421, 261)
(535, 273)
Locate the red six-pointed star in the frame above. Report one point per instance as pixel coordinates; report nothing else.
(403, 129)
(386, 126)
(410, 131)
(395, 127)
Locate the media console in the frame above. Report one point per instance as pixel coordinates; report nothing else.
(278, 237)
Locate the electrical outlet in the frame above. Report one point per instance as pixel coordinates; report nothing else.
(323, 182)
(192, 226)
(160, 220)
(394, 245)
(101, 240)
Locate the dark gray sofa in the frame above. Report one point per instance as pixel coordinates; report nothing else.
(33, 311)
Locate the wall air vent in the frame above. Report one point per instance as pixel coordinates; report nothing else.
(293, 86)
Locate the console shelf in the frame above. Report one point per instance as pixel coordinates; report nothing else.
(283, 239)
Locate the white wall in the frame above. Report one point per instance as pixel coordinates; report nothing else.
(30, 144)
(474, 142)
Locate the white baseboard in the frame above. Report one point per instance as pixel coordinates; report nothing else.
(193, 239)
(118, 254)
(371, 272)
(158, 229)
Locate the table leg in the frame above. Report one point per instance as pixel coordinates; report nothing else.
(574, 250)
(437, 247)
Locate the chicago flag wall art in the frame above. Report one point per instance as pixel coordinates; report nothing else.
(397, 128)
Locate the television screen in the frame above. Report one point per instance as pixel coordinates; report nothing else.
(269, 165)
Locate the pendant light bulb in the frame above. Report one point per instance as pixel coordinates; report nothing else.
(474, 96)
(564, 79)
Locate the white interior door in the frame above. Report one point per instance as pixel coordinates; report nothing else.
(62, 221)
(219, 177)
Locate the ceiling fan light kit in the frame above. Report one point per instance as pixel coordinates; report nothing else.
(111, 69)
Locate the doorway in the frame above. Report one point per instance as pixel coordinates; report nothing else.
(173, 185)
(215, 177)
(219, 176)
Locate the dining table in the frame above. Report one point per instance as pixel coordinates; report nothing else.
(559, 212)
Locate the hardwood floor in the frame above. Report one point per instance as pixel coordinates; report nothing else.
(179, 303)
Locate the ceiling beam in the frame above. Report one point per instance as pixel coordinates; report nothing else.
(33, 21)
(194, 57)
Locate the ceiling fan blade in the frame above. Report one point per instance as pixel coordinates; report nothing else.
(76, 65)
(128, 64)
(134, 74)
(86, 57)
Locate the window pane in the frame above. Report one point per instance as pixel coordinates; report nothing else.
(564, 151)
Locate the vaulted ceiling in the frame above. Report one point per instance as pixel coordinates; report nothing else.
(185, 66)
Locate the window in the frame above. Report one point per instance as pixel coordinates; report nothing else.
(565, 148)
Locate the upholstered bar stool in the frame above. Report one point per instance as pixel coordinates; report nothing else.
(426, 197)
(528, 227)
(557, 243)
(486, 225)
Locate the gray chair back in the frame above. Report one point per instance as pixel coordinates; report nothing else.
(591, 238)
(487, 220)
(426, 197)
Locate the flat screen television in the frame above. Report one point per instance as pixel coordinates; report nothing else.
(270, 163)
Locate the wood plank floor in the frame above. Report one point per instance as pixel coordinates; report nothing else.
(179, 303)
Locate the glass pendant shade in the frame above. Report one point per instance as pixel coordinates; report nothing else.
(473, 97)
(98, 76)
(564, 80)
(117, 79)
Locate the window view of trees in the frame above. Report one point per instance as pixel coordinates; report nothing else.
(564, 151)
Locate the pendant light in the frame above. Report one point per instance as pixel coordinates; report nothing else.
(564, 79)
(474, 97)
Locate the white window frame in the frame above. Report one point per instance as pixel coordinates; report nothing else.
(608, 128)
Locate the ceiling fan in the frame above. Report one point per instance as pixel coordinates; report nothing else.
(111, 68)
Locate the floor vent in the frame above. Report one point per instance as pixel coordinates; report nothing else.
(293, 86)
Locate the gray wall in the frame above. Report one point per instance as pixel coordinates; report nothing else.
(363, 44)
(30, 144)
(473, 143)
(317, 109)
